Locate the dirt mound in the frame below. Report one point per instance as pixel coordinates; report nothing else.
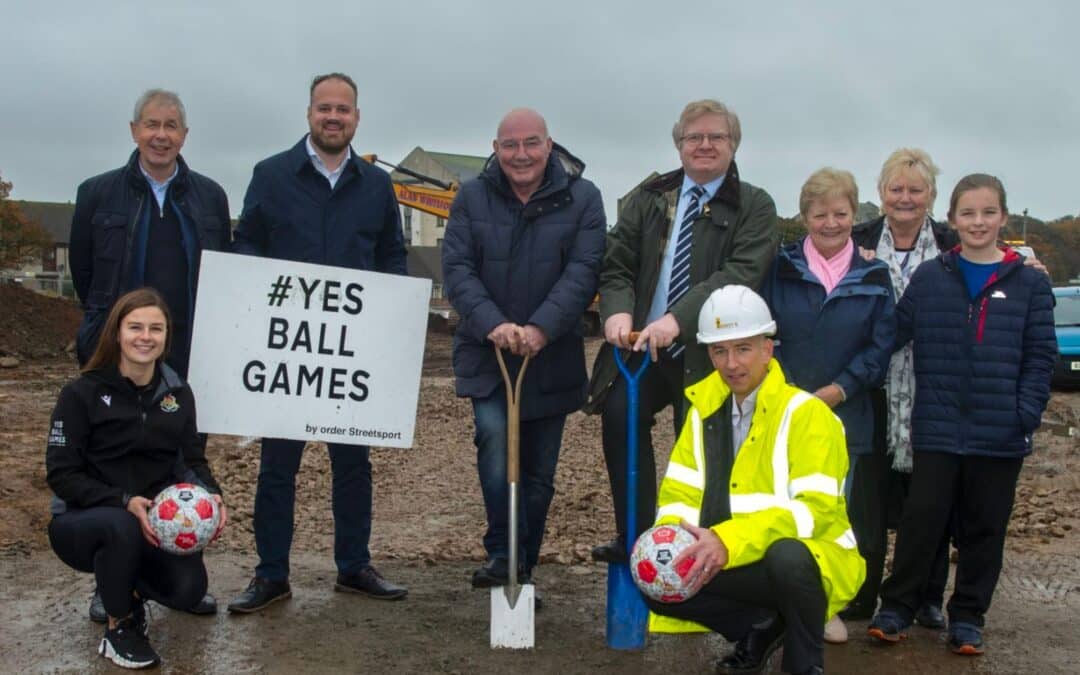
(35, 326)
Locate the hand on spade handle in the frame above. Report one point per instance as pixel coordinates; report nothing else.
(659, 334)
(513, 445)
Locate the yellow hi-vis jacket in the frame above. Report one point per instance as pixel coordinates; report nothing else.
(786, 482)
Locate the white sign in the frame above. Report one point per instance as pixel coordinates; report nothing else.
(309, 352)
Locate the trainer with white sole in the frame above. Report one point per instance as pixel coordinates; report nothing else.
(121, 433)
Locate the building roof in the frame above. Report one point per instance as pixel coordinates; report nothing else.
(55, 217)
(425, 262)
(466, 167)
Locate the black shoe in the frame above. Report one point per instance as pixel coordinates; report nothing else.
(930, 616)
(858, 611)
(613, 551)
(205, 607)
(259, 594)
(139, 618)
(526, 578)
(127, 647)
(813, 670)
(138, 613)
(753, 651)
(369, 582)
(494, 572)
(97, 609)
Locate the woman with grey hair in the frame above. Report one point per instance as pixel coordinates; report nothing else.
(903, 237)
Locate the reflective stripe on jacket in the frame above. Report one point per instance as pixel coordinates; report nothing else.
(786, 483)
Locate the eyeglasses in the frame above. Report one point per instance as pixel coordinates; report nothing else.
(694, 140)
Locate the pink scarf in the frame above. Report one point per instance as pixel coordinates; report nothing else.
(829, 271)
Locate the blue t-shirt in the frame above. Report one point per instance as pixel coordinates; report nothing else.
(976, 274)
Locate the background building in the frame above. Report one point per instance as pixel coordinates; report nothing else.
(427, 227)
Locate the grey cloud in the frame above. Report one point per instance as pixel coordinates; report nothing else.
(980, 87)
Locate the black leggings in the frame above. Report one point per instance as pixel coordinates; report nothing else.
(107, 541)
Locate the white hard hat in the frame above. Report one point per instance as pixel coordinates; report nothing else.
(734, 312)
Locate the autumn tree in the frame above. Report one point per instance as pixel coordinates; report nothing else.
(21, 239)
(791, 229)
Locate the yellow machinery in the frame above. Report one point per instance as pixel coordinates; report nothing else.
(434, 200)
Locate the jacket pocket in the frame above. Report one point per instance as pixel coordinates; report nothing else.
(1028, 422)
(209, 230)
(110, 241)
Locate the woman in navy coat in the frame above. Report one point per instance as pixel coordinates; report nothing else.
(835, 327)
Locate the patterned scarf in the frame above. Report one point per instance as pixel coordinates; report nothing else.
(900, 384)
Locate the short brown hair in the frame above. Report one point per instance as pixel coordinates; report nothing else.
(708, 106)
(319, 79)
(976, 181)
(829, 182)
(107, 352)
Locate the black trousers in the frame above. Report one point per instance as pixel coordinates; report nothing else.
(978, 492)
(107, 541)
(785, 583)
(877, 497)
(660, 386)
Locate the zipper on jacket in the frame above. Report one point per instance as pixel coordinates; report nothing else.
(125, 263)
(971, 340)
(982, 321)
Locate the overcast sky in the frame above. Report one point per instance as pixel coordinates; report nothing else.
(983, 86)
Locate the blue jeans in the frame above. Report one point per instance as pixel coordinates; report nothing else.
(540, 443)
(275, 498)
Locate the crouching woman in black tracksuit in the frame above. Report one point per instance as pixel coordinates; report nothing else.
(120, 433)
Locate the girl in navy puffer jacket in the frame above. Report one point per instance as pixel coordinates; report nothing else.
(983, 331)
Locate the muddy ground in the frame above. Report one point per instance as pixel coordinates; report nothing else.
(427, 527)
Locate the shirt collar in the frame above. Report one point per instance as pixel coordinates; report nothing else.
(710, 188)
(747, 404)
(153, 183)
(317, 161)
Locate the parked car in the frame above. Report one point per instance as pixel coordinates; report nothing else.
(1067, 325)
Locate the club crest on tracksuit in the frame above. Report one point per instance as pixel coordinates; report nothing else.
(169, 404)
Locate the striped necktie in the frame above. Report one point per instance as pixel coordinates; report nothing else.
(680, 262)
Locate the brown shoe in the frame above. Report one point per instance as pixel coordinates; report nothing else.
(369, 582)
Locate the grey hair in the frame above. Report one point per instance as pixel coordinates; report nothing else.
(163, 96)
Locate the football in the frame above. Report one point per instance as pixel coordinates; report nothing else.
(651, 563)
(184, 517)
